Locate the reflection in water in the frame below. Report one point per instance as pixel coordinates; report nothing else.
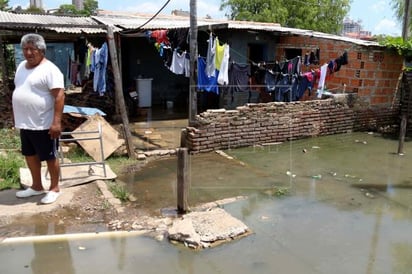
(51, 257)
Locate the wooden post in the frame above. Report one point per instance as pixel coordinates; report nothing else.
(402, 133)
(182, 179)
(193, 62)
(119, 92)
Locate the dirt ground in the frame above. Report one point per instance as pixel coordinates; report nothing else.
(84, 208)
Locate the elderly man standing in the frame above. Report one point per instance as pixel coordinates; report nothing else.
(38, 102)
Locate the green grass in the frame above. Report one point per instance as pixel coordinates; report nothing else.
(9, 170)
(10, 159)
(9, 139)
(119, 191)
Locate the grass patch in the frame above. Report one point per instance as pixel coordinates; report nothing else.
(10, 158)
(281, 191)
(10, 170)
(119, 191)
(9, 139)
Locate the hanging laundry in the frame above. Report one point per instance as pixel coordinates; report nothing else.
(218, 54)
(223, 77)
(178, 62)
(204, 82)
(89, 54)
(210, 57)
(239, 77)
(179, 38)
(306, 82)
(322, 78)
(338, 62)
(187, 64)
(100, 65)
(160, 36)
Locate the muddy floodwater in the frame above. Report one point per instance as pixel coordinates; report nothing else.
(334, 204)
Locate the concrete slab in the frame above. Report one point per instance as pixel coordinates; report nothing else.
(207, 229)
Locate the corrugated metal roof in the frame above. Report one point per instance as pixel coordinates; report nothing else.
(134, 21)
(60, 24)
(130, 21)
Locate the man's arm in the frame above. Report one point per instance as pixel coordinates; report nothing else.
(56, 128)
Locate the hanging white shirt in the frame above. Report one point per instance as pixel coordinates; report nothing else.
(178, 62)
(223, 77)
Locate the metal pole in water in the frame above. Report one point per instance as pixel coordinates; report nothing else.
(402, 133)
(182, 179)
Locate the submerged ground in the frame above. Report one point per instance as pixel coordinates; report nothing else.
(334, 204)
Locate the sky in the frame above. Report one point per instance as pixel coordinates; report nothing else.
(376, 16)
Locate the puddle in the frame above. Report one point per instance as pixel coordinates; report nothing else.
(334, 204)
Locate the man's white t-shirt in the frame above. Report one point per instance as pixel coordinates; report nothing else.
(33, 103)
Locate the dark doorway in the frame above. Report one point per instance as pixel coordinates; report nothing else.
(257, 53)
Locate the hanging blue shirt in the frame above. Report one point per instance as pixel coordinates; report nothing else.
(100, 65)
(204, 82)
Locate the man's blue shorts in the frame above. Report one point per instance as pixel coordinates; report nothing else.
(38, 142)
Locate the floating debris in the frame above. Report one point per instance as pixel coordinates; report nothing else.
(318, 176)
(369, 195)
(290, 174)
(350, 176)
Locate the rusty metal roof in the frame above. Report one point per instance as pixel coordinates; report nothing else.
(59, 24)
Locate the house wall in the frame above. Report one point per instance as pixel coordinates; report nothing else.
(141, 59)
(370, 102)
(239, 41)
(372, 72)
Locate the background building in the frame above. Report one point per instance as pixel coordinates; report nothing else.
(36, 4)
(78, 4)
(354, 29)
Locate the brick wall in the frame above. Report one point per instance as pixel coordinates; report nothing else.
(373, 72)
(257, 124)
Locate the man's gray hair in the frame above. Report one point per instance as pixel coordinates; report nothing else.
(36, 39)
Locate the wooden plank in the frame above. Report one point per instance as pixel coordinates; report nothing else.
(110, 137)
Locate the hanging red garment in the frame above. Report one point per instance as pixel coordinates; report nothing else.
(160, 36)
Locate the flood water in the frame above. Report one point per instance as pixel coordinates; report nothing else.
(334, 204)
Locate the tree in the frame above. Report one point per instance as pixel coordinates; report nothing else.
(35, 10)
(90, 7)
(67, 10)
(398, 7)
(319, 15)
(4, 5)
